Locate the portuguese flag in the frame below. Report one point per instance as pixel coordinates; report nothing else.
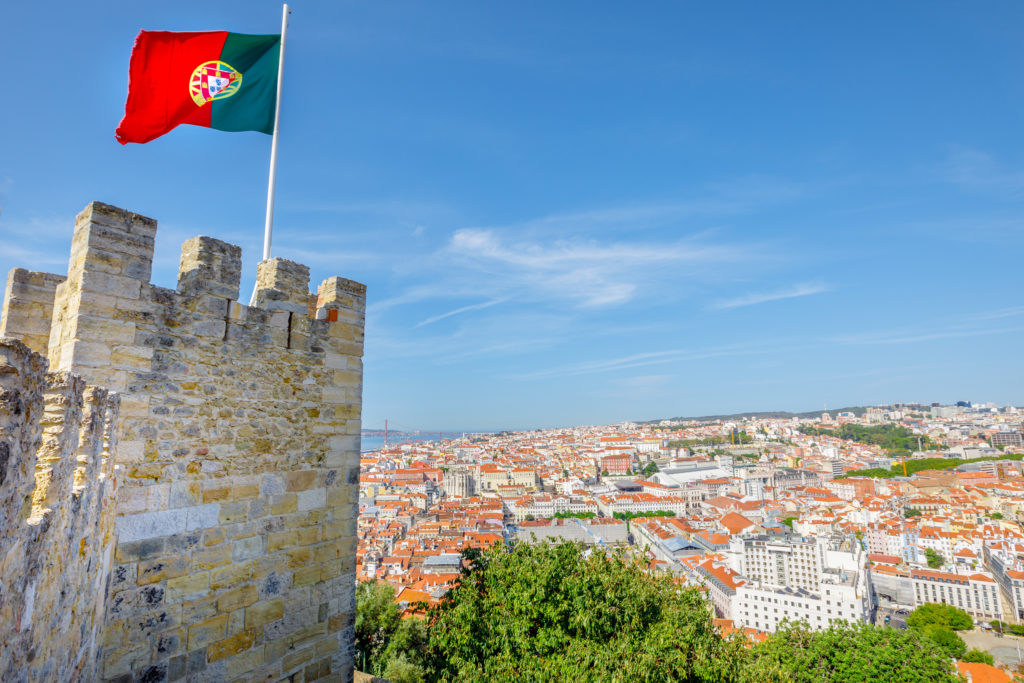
(216, 79)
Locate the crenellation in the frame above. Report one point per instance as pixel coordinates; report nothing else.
(210, 266)
(28, 307)
(55, 543)
(282, 285)
(227, 546)
(56, 458)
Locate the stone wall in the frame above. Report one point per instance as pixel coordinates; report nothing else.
(238, 453)
(56, 518)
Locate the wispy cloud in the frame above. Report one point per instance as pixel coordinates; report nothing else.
(977, 170)
(463, 309)
(804, 289)
(1011, 312)
(909, 337)
(586, 273)
(643, 360)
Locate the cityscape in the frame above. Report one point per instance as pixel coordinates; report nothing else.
(859, 515)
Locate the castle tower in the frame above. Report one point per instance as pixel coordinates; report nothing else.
(228, 549)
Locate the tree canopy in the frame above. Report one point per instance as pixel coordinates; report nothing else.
(940, 615)
(934, 558)
(552, 612)
(891, 437)
(848, 652)
(560, 612)
(386, 644)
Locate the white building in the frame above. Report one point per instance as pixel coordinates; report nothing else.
(976, 594)
(799, 578)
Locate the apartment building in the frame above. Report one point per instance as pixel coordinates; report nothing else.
(976, 594)
(798, 578)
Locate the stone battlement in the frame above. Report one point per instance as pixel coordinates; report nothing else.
(229, 533)
(56, 491)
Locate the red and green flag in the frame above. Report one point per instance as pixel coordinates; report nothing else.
(215, 79)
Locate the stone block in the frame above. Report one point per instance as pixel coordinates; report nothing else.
(203, 633)
(153, 571)
(188, 587)
(203, 516)
(264, 612)
(237, 598)
(150, 525)
(231, 646)
(210, 266)
(282, 285)
(311, 499)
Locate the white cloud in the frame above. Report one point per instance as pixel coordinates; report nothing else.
(977, 170)
(905, 337)
(458, 311)
(584, 273)
(804, 289)
(643, 360)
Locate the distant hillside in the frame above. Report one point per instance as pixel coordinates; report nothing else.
(856, 410)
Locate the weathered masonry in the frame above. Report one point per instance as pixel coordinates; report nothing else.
(178, 471)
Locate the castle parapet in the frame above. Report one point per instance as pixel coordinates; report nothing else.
(228, 548)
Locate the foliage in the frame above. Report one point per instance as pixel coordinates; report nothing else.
(559, 612)
(1003, 627)
(946, 616)
(551, 612)
(996, 515)
(788, 521)
(847, 652)
(604, 473)
(577, 515)
(911, 512)
(652, 513)
(934, 557)
(948, 641)
(377, 617)
(401, 670)
(978, 656)
(382, 636)
(530, 518)
(650, 469)
(739, 439)
(891, 437)
(406, 652)
(919, 465)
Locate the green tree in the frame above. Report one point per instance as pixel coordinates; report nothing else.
(401, 670)
(978, 656)
(406, 652)
(911, 512)
(996, 515)
(377, 618)
(578, 515)
(551, 612)
(847, 652)
(788, 521)
(650, 469)
(936, 614)
(934, 557)
(948, 641)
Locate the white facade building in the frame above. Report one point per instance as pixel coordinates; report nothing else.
(798, 578)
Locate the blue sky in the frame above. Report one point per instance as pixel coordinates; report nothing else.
(583, 212)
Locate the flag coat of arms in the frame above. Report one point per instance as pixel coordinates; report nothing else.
(215, 79)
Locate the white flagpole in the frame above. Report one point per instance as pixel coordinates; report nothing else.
(268, 227)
